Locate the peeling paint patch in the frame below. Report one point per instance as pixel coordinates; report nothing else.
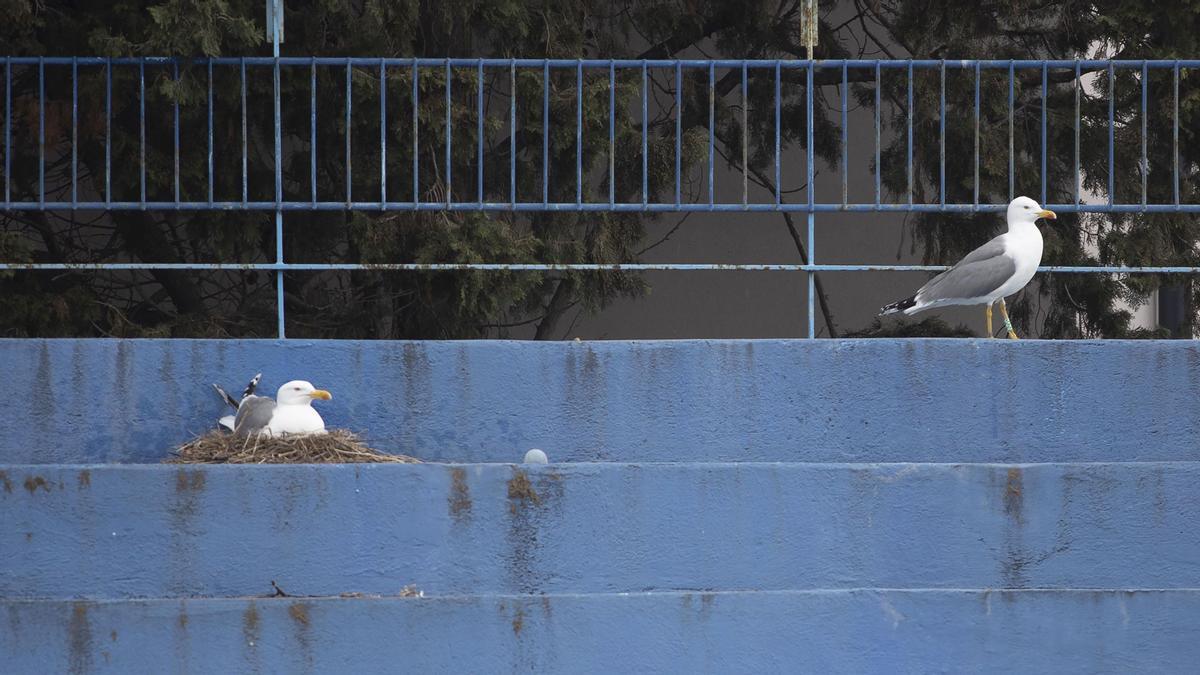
(890, 610)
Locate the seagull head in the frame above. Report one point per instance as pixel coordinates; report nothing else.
(1025, 211)
(300, 392)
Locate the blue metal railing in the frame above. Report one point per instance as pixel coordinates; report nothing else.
(416, 201)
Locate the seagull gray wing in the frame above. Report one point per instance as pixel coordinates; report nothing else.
(980, 273)
(226, 397)
(254, 414)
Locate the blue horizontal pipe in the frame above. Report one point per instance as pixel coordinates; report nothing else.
(833, 207)
(620, 63)
(578, 267)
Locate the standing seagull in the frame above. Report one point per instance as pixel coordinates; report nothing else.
(991, 272)
(290, 413)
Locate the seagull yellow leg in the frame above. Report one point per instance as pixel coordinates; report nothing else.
(988, 313)
(1012, 334)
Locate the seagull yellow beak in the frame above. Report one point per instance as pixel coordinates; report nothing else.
(321, 394)
(1047, 214)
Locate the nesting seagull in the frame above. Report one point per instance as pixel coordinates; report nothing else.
(991, 272)
(290, 413)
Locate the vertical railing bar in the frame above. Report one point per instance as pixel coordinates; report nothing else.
(612, 132)
(1045, 148)
(812, 221)
(1175, 132)
(911, 115)
(1112, 104)
(142, 126)
(578, 131)
(678, 129)
(1145, 165)
(416, 148)
(312, 128)
(382, 134)
(449, 137)
(778, 169)
(512, 135)
(745, 137)
(175, 112)
(278, 119)
(942, 138)
(975, 202)
(878, 125)
(1011, 147)
(479, 132)
(8, 129)
(245, 179)
(349, 135)
(645, 137)
(712, 119)
(845, 134)
(107, 130)
(1079, 87)
(42, 132)
(210, 133)
(75, 134)
(545, 133)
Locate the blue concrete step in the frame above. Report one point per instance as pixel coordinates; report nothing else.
(852, 631)
(85, 401)
(156, 531)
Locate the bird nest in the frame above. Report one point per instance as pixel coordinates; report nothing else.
(336, 447)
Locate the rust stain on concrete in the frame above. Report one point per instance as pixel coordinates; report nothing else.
(460, 494)
(32, 483)
(1014, 498)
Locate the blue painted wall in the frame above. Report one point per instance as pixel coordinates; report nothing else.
(870, 400)
(721, 507)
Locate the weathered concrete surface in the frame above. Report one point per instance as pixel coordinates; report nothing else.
(861, 631)
(80, 401)
(166, 531)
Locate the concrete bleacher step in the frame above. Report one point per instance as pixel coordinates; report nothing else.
(842, 631)
(86, 401)
(161, 531)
